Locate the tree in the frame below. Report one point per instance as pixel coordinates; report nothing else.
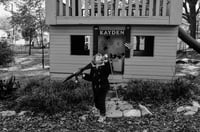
(4, 23)
(190, 14)
(42, 26)
(28, 34)
(26, 21)
(30, 17)
(3, 1)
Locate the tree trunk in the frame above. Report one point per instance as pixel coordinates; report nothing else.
(30, 39)
(192, 6)
(42, 48)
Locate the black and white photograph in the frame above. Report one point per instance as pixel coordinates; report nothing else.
(99, 65)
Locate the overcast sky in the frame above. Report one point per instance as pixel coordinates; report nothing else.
(3, 12)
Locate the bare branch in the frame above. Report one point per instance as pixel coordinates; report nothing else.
(186, 17)
(185, 7)
(198, 10)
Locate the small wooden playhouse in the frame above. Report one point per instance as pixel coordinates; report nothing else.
(140, 36)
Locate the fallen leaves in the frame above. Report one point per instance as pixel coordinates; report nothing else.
(165, 118)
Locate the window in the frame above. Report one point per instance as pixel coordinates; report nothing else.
(143, 46)
(80, 45)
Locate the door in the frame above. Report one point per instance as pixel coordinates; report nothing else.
(114, 47)
(113, 40)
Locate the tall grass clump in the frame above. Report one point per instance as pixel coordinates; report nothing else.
(6, 54)
(54, 96)
(151, 91)
(8, 88)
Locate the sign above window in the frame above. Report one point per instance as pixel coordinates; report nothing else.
(111, 32)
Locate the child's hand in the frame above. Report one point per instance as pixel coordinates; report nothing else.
(83, 75)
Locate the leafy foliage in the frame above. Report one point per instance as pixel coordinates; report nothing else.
(157, 92)
(190, 13)
(8, 87)
(6, 54)
(3, 1)
(52, 97)
(30, 17)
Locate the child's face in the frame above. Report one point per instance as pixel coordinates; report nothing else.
(98, 59)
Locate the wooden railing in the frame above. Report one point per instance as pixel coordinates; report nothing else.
(134, 12)
(86, 8)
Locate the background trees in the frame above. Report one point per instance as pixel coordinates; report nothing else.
(30, 17)
(190, 14)
(6, 54)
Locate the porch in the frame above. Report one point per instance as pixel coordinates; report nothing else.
(149, 12)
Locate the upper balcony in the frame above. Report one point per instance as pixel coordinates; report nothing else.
(141, 12)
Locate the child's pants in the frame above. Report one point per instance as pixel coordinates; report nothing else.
(99, 100)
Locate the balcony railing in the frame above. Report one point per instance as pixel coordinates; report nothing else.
(103, 11)
(85, 8)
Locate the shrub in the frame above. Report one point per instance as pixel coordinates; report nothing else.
(157, 92)
(8, 87)
(6, 54)
(52, 97)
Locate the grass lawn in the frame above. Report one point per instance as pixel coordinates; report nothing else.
(27, 66)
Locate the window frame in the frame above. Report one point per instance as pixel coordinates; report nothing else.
(146, 52)
(89, 44)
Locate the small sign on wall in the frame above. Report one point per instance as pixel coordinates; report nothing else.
(111, 32)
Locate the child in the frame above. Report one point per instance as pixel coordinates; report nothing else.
(100, 70)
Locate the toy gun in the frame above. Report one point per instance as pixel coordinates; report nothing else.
(76, 74)
(88, 66)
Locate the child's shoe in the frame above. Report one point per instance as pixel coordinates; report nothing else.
(95, 111)
(101, 118)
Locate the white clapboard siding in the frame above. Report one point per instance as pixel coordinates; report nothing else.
(163, 52)
(160, 66)
(165, 48)
(61, 61)
(165, 39)
(149, 70)
(65, 59)
(153, 72)
(155, 29)
(60, 31)
(134, 76)
(156, 60)
(69, 68)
